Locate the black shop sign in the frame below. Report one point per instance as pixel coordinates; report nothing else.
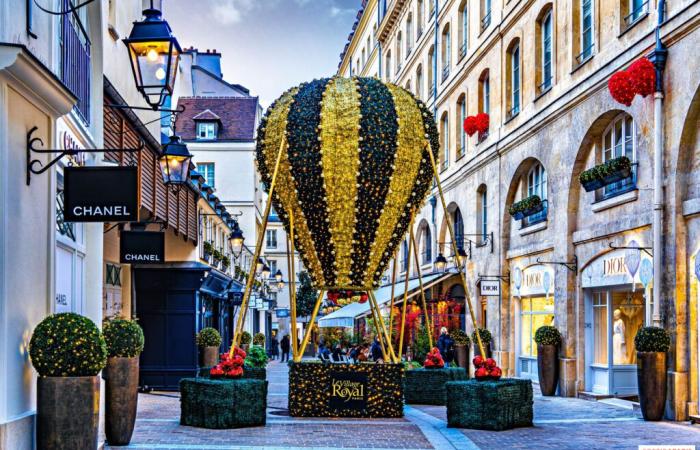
(142, 247)
(348, 391)
(100, 194)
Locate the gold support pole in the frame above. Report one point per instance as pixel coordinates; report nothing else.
(428, 322)
(392, 354)
(393, 285)
(307, 335)
(405, 289)
(256, 254)
(378, 331)
(292, 287)
(457, 258)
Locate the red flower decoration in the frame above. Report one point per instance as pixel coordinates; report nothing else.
(434, 359)
(482, 122)
(621, 88)
(470, 125)
(642, 76)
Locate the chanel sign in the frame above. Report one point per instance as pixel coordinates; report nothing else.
(100, 194)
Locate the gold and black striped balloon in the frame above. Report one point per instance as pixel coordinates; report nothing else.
(354, 167)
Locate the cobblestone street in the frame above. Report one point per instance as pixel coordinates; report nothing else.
(560, 423)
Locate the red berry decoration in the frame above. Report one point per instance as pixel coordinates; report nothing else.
(642, 76)
(482, 122)
(478, 361)
(621, 88)
(216, 371)
(470, 125)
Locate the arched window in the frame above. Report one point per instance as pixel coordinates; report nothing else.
(484, 92)
(445, 139)
(544, 50)
(446, 52)
(427, 250)
(584, 30)
(463, 28)
(459, 228)
(420, 13)
(459, 126)
(408, 85)
(537, 185)
(387, 76)
(485, 14)
(513, 79)
(409, 34)
(431, 70)
(482, 213)
(399, 42)
(619, 139)
(419, 82)
(364, 57)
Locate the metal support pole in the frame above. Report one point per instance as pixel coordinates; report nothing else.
(378, 332)
(307, 335)
(428, 321)
(405, 290)
(292, 287)
(382, 326)
(657, 221)
(393, 285)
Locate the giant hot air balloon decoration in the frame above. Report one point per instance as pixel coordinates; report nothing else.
(354, 165)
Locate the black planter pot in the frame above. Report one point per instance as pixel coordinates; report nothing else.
(651, 381)
(462, 356)
(67, 413)
(208, 356)
(534, 210)
(487, 349)
(548, 368)
(592, 185)
(617, 176)
(122, 383)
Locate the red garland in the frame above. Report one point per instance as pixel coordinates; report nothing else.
(643, 76)
(482, 123)
(470, 125)
(433, 360)
(621, 88)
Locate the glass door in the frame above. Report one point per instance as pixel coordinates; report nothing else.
(535, 312)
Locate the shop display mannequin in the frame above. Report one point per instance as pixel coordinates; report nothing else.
(619, 345)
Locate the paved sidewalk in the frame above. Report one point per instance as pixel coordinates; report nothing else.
(560, 423)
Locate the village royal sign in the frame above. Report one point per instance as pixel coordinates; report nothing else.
(142, 247)
(100, 194)
(348, 391)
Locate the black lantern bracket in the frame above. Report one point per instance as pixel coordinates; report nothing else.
(504, 278)
(486, 239)
(179, 110)
(36, 167)
(72, 9)
(571, 265)
(646, 250)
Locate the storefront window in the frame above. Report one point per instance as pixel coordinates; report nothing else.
(535, 312)
(625, 311)
(600, 328)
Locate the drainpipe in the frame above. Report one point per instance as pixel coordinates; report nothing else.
(658, 57)
(435, 59)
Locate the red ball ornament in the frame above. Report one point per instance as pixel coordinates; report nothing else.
(643, 76)
(482, 122)
(496, 372)
(481, 372)
(478, 361)
(621, 88)
(470, 125)
(364, 298)
(490, 363)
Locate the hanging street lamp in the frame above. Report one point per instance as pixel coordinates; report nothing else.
(278, 275)
(154, 54)
(280, 285)
(259, 266)
(236, 239)
(175, 163)
(461, 255)
(440, 262)
(265, 273)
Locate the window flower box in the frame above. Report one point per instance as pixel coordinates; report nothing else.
(208, 250)
(605, 174)
(526, 207)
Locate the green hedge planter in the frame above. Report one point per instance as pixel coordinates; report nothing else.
(427, 386)
(345, 390)
(222, 403)
(489, 405)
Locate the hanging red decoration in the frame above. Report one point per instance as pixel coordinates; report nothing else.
(363, 298)
(482, 123)
(621, 88)
(642, 76)
(470, 125)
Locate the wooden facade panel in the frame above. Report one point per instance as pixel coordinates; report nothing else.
(192, 215)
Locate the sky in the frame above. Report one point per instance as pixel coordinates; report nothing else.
(267, 46)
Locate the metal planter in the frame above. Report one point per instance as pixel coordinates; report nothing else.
(548, 368)
(122, 382)
(651, 380)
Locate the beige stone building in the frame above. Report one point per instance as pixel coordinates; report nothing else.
(540, 70)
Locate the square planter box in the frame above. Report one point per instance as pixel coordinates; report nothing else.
(254, 373)
(427, 386)
(489, 405)
(222, 403)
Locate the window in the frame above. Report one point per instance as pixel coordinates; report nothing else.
(633, 10)
(514, 79)
(586, 35)
(206, 130)
(482, 213)
(364, 57)
(419, 18)
(419, 82)
(535, 312)
(537, 185)
(485, 14)
(445, 137)
(399, 40)
(409, 34)
(404, 253)
(207, 171)
(462, 111)
(427, 245)
(484, 92)
(271, 239)
(619, 140)
(369, 46)
(388, 65)
(431, 8)
(546, 52)
(446, 52)
(431, 70)
(272, 264)
(459, 229)
(463, 28)
(408, 86)
(75, 58)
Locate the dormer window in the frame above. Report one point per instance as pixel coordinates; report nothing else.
(206, 130)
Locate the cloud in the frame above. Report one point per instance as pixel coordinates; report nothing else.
(228, 12)
(336, 12)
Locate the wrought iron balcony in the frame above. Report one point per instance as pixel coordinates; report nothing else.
(637, 14)
(445, 73)
(75, 60)
(486, 21)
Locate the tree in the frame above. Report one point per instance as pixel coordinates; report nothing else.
(306, 295)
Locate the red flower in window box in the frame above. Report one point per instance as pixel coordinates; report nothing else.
(642, 76)
(470, 125)
(621, 88)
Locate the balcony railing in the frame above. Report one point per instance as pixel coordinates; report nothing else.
(445, 73)
(621, 187)
(537, 217)
(514, 111)
(486, 21)
(637, 14)
(584, 55)
(462, 50)
(75, 60)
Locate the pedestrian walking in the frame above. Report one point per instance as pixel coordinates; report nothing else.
(284, 346)
(446, 345)
(275, 349)
(376, 351)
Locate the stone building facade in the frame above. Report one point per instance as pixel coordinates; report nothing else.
(540, 70)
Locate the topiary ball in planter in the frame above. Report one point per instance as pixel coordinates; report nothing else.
(485, 340)
(124, 337)
(67, 345)
(652, 339)
(259, 339)
(246, 338)
(548, 340)
(208, 337)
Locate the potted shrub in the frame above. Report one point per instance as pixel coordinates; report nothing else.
(216, 257)
(526, 207)
(225, 262)
(462, 342)
(208, 249)
(548, 340)
(485, 340)
(259, 339)
(652, 343)
(208, 341)
(255, 363)
(245, 340)
(68, 351)
(607, 173)
(125, 342)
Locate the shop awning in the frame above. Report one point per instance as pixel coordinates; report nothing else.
(345, 316)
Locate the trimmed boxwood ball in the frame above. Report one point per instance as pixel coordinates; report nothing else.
(547, 335)
(256, 357)
(652, 339)
(245, 338)
(460, 337)
(67, 345)
(208, 337)
(259, 339)
(485, 335)
(124, 337)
